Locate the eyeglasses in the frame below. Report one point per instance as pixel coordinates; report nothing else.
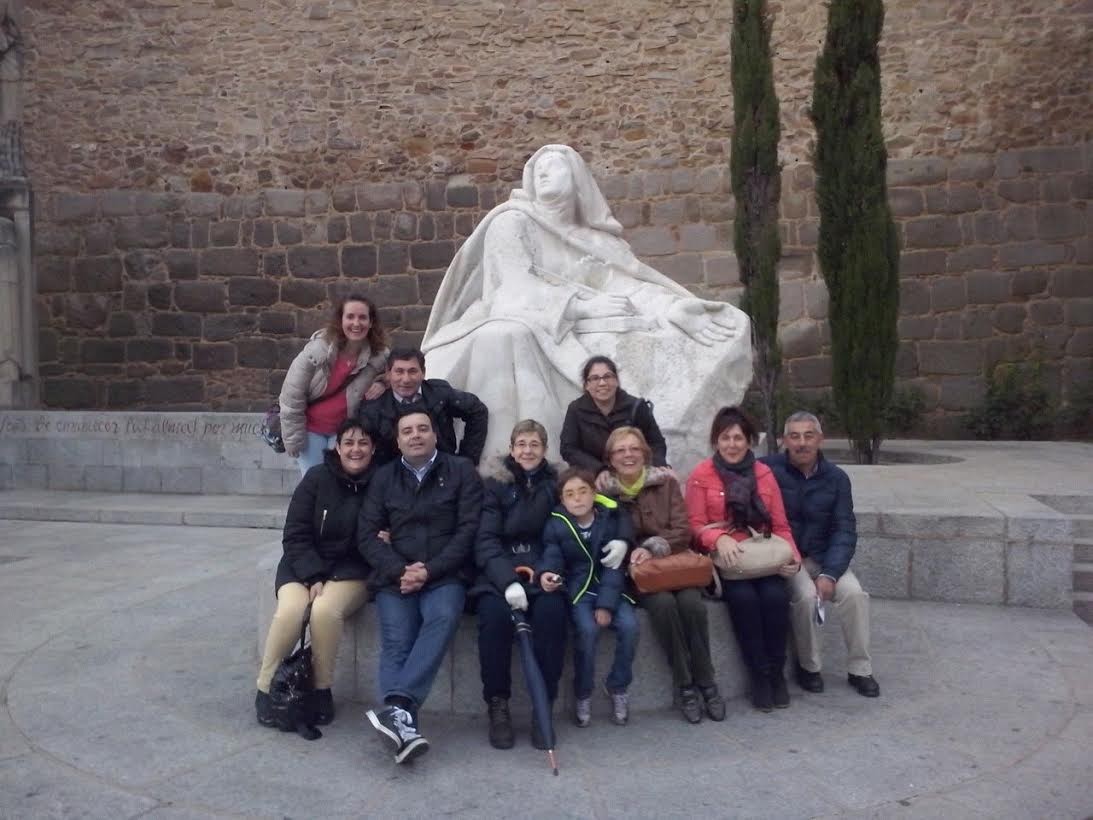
(606, 377)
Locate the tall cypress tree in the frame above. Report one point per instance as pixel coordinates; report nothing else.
(757, 187)
(858, 245)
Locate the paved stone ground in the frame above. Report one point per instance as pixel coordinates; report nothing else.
(127, 660)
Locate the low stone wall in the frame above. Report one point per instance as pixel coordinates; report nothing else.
(1019, 553)
(207, 453)
(973, 559)
(458, 687)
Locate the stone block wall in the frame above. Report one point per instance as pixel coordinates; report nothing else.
(195, 300)
(183, 301)
(212, 173)
(996, 266)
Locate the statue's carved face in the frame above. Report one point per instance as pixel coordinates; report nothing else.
(553, 178)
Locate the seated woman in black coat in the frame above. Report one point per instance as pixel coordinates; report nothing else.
(517, 503)
(603, 407)
(321, 564)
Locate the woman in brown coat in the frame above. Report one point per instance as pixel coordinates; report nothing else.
(661, 527)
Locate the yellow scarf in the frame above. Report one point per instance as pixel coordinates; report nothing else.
(630, 491)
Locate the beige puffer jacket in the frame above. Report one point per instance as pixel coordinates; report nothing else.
(307, 379)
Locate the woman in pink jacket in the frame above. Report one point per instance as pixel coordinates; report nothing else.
(726, 495)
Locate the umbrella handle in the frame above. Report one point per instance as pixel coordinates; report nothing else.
(528, 573)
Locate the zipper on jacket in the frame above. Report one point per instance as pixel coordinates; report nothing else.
(591, 561)
(322, 524)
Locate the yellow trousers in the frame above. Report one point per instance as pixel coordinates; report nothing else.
(338, 600)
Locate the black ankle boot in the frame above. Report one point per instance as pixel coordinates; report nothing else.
(322, 706)
(501, 736)
(715, 704)
(779, 691)
(263, 709)
(761, 696)
(689, 704)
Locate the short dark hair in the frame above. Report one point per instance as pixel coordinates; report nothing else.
(354, 423)
(412, 409)
(570, 473)
(728, 416)
(403, 354)
(525, 427)
(595, 360)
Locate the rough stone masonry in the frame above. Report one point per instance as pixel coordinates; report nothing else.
(210, 174)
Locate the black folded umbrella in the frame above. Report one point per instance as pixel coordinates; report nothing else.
(533, 676)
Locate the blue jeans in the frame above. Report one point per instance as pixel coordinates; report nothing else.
(625, 624)
(415, 632)
(314, 448)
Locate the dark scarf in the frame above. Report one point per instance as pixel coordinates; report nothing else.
(523, 479)
(743, 506)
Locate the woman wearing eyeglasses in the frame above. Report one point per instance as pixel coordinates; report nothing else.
(652, 498)
(603, 407)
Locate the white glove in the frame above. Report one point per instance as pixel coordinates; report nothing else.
(613, 552)
(515, 595)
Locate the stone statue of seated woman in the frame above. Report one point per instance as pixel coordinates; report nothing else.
(544, 282)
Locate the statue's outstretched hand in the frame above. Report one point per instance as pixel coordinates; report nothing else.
(704, 321)
(600, 306)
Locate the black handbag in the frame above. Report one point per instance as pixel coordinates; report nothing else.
(292, 687)
(270, 429)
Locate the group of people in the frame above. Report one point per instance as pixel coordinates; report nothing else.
(391, 505)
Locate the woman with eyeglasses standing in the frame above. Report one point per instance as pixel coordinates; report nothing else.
(603, 407)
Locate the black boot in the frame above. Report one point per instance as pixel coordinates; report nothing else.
(689, 704)
(715, 704)
(322, 706)
(501, 736)
(263, 708)
(761, 696)
(778, 690)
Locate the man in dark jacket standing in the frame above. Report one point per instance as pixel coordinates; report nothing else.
(409, 387)
(820, 509)
(428, 503)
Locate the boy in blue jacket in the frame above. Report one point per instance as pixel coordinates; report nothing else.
(585, 542)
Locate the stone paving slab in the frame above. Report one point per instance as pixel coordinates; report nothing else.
(134, 699)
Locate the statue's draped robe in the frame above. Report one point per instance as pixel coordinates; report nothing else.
(499, 329)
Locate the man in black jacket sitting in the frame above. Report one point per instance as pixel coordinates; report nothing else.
(428, 503)
(409, 387)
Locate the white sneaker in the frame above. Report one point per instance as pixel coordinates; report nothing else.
(583, 714)
(620, 707)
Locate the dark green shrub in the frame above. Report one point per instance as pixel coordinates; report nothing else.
(1017, 405)
(905, 411)
(1076, 415)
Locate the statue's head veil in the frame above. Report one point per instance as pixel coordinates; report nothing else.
(592, 209)
(462, 284)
